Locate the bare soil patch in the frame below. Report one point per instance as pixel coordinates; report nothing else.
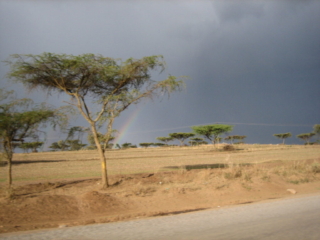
(65, 202)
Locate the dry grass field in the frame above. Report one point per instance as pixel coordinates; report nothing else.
(80, 164)
(59, 189)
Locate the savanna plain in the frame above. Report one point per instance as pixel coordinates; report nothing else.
(61, 189)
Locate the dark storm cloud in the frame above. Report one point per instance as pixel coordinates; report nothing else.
(249, 61)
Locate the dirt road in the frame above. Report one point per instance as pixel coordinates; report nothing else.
(292, 218)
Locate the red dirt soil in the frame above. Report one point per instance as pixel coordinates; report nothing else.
(78, 202)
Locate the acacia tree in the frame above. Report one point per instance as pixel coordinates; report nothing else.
(240, 138)
(146, 145)
(100, 87)
(316, 130)
(103, 141)
(212, 132)
(30, 145)
(159, 144)
(20, 119)
(181, 137)
(61, 145)
(127, 145)
(197, 141)
(306, 137)
(165, 139)
(76, 131)
(283, 136)
(75, 144)
(230, 138)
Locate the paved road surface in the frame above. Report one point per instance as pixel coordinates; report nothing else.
(294, 219)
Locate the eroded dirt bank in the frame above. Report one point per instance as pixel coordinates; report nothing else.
(78, 202)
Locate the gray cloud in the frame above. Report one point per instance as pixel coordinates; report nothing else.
(249, 61)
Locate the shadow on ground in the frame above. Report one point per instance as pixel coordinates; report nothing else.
(205, 166)
(4, 163)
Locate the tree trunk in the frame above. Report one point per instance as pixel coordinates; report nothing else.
(9, 153)
(9, 173)
(104, 175)
(109, 132)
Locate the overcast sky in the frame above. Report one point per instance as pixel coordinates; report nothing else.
(253, 64)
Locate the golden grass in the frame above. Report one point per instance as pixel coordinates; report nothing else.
(80, 164)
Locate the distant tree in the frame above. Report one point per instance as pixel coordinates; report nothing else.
(306, 137)
(75, 145)
(60, 145)
(103, 141)
(165, 139)
(230, 138)
(128, 145)
(31, 145)
(91, 81)
(197, 141)
(240, 138)
(316, 130)
(20, 119)
(212, 132)
(181, 137)
(146, 145)
(218, 139)
(283, 136)
(159, 144)
(77, 132)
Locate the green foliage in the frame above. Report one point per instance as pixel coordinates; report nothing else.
(61, 145)
(20, 119)
(30, 145)
(235, 137)
(230, 138)
(76, 130)
(101, 139)
(197, 141)
(146, 144)
(240, 138)
(181, 137)
(212, 132)
(282, 136)
(94, 80)
(159, 144)
(306, 137)
(128, 145)
(165, 139)
(75, 145)
(316, 130)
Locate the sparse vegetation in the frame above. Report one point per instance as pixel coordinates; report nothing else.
(150, 179)
(283, 136)
(181, 137)
(212, 132)
(306, 137)
(228, 147)
(21, 119)
(111, 84)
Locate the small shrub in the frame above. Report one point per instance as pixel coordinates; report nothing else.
(247, 177)
(238, 173)
(228, 148)
(266, 177)
(246, 186)
(235, 173)
(294, 181)
(315, 168)
(302, 180)
(228, 175)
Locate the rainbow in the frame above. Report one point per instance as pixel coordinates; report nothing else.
(124, 129)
